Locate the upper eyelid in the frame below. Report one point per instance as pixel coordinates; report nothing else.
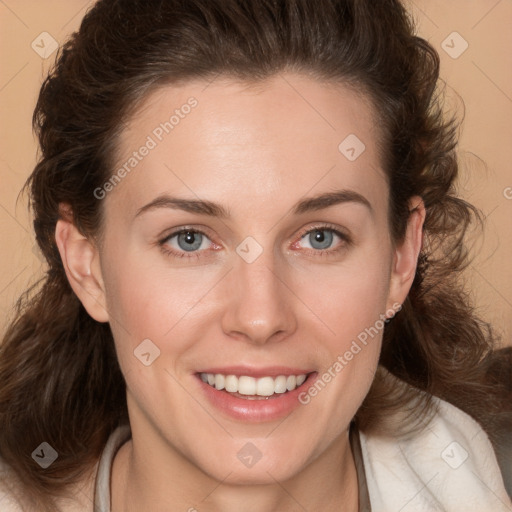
(324, 227)
(178, 231)
(345, 238)
(320, 227)
(344, 235)
(162, 241)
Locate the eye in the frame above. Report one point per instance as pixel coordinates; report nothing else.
(319, 238)
(185, 243)
(322, 239)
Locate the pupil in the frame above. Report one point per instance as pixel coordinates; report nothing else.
(319, 236)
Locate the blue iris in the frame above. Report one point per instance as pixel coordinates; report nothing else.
(322, 237)
(190, 240)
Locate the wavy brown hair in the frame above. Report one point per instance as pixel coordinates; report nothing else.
(59, 377)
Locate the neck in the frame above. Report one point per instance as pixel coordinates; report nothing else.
(329, 483)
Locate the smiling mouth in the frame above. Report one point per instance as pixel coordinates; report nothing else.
(251, 388)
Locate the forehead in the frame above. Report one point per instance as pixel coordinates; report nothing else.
(288, 134)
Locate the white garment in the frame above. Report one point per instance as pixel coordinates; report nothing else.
(449, 466)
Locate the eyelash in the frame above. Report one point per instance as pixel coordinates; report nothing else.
(345, 238)
(176, 254)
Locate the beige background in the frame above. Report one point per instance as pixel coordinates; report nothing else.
(480, 79)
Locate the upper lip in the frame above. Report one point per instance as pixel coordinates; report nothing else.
(251, 371)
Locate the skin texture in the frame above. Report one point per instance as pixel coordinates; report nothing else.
(256, 150)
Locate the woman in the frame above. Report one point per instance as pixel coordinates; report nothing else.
(252, 300)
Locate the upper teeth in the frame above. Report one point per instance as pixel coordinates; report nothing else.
(245, 385)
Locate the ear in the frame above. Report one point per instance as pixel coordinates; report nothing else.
(80, 258)
(406, 254)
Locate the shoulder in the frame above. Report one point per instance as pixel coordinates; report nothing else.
(10, 491)
(449, 462)
(13, 499)
(92, 492)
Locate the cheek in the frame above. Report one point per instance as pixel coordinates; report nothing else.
(353, 307)
(351, 302)
(350, 297)
(150, 299)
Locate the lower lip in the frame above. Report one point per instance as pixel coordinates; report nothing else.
(276, 407)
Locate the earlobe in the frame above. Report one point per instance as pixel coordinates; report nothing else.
(406, 254)
(81, 263)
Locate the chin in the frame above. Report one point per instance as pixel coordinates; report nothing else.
(249, 466)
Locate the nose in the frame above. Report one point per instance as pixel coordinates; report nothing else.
(260, 307)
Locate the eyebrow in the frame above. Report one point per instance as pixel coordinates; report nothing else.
(212, 209)
(189, 205)
(330, 199)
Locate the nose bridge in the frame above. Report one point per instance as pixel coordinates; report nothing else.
(260, 305)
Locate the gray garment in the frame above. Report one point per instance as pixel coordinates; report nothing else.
(122, 434)
(355, 444)
(102, 488)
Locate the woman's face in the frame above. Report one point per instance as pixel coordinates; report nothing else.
(287, 270)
